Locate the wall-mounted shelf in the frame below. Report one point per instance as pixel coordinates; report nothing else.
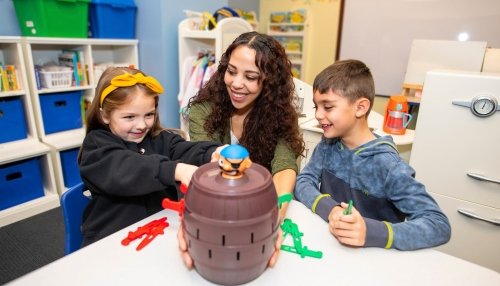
(293, 37)
(191, 42)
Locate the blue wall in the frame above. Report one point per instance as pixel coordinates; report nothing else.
(157, 32)
(8, 20)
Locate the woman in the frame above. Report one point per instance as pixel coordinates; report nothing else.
(250, 101)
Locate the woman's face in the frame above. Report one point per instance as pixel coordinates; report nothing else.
(242, 79)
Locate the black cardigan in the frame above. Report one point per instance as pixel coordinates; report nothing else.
(129, 180)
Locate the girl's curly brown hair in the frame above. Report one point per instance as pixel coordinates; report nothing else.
(273, 116)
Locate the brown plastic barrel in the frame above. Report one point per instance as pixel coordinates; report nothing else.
(231, 225)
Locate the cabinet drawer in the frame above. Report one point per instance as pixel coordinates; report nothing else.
(471, 239)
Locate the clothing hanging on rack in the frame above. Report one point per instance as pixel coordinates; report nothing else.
(197, 71)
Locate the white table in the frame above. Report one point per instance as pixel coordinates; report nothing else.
(107, 262)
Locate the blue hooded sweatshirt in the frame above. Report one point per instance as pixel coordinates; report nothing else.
(398, 211)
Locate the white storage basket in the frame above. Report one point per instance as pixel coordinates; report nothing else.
(53, 79)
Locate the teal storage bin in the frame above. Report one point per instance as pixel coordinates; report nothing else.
(20, 182)
(112, 19)
(70, 169)
(61, 111)
(12, 119)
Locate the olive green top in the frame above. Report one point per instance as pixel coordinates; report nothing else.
(284, 157)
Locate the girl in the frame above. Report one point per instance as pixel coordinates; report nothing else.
(127, 160)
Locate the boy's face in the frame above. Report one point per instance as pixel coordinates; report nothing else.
(335, 114)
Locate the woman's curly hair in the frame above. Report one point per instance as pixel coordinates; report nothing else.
(273, 116)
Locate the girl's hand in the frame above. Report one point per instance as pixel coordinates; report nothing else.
(348, 229)
(184, 173)
(216, 153)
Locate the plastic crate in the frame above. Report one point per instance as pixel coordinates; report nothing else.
(53, 18)
(12, 119)
(20, 182)
(53, 79)
(70, 169)
(61, 111)
(105, 14)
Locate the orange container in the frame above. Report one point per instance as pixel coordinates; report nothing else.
(396, 115)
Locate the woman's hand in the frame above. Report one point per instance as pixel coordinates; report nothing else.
(277, 247)
(183, 247)
(348, 229)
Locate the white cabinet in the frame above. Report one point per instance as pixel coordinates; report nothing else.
(451, 147)
(98, 54)
(29, 148)
(192, 42)
(293, 37)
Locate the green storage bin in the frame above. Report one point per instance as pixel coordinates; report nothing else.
(53, 18)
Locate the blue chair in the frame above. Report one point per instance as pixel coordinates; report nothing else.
(73, 202)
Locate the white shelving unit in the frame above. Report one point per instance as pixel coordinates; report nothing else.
(217, 40)
(295, 33)
(28, 148)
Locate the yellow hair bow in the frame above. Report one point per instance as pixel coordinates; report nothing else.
(125, 80)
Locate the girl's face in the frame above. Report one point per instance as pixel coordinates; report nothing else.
(242, 78)
(335, 114)
(132, 120)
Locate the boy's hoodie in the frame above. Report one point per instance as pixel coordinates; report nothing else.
(398, 211)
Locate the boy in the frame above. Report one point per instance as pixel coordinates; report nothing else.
(391, 209)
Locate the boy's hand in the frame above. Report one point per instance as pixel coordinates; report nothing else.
(216, 153)
(348, 229)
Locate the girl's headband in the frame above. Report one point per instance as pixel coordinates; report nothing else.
(125, 80)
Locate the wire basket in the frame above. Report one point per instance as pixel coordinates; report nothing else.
(53, 79)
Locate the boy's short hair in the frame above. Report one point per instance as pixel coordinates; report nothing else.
(349, 78)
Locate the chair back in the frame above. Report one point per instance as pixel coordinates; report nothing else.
(73, 203)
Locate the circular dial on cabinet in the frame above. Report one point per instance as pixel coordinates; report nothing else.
(484, 105)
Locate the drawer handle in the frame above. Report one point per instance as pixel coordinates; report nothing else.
(482, 178)
(473, 215)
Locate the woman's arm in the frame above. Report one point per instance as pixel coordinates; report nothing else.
(284, 182)
(284, 169)
(198, 114)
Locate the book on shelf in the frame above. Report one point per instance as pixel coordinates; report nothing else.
(69, 59)
(8, 78)
(2, 84)
(75, 60)
(82, 69)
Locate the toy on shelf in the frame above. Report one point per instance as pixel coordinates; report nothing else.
(230, 218)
